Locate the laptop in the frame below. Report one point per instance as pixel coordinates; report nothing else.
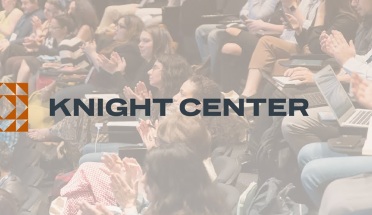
(315, 99)
(338, 100)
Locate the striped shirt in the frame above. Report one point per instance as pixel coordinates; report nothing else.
(71, 53)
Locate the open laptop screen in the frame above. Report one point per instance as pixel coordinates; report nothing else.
(333, 92)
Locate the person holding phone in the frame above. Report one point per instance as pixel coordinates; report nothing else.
(330, 15)
(209, 37)
(240, 44)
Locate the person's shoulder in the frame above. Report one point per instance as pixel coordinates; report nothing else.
(131, 46)
(17, 11)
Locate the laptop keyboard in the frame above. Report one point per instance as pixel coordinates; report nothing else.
(314, 99)
(362, 117)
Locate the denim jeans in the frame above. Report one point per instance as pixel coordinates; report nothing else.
(209, 39)
(320, 166)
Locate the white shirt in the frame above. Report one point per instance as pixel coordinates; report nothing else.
(361, 65)
(308, 8)
(259, 9)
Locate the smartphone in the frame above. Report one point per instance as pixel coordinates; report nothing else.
(346, 141)
(287, 23)
(327, 117)
(244, 17)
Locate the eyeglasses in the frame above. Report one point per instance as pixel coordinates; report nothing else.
(54, 28)
(121, 26)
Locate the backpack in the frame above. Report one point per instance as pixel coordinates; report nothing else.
(271, 199)
(274, 157)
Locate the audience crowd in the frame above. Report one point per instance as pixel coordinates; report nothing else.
(180, 49)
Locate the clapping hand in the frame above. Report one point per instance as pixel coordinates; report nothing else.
(89, 48)
(112, 65)
(362, 90)
(36, 24)
(125, 188)
(113, 163)
(325, 46)
(140, 93)
(148, 133)
(339, 48)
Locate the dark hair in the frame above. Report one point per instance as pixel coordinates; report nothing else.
(162, 40)
(176, 71)
(59, 4)
(224, 130)
(6, 157)
(205, 87)
(85, 14)
(66, 22)
(179, 183)
(134, 27)
(177, 128)
(8, 204)
(336, 8)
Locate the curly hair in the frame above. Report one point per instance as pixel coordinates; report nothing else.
(179, 183)
(205, 88)
(176, 71)
(224, 130)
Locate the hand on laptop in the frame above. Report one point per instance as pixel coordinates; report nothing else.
(362, 90)
(304, 75)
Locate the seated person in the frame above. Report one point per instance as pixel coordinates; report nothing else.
(40, 42)
(91, 181)
(85, 18)
(23, 27)
(298, 130)
(7, 204)
(348, 196)
(166, 178)
(61, 30)
(150, 14)
(9, 18)
(225, 131)
(8, 181)
(321, 165)
(153, 42)
(270, 49)
(209, 38)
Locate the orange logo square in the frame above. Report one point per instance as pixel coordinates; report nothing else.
(14, 107)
